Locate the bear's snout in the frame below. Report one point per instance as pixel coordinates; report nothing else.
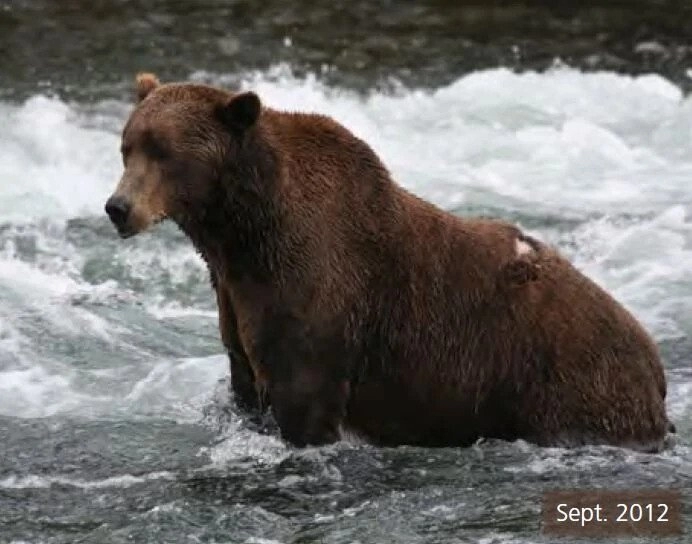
(118, 210)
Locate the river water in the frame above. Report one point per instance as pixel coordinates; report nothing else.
(115, 420)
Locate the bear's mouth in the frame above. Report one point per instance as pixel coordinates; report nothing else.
(125, 233)
(159, 218)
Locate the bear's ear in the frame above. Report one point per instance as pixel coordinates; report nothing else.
(146, 83)
(240, 112)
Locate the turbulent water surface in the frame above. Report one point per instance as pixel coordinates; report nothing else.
(115, 419)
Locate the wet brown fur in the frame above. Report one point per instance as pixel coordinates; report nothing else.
(347, 302)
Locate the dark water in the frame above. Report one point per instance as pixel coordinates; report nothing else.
(115, 420)
(89, 49)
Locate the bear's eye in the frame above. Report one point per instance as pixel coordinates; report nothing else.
(154, 147)
(125, 150)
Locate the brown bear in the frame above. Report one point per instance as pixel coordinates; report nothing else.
(349, 304)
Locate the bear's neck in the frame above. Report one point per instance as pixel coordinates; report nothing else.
(239, 233)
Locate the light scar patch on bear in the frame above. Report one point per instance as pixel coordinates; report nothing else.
(523, 267)
(522, 247)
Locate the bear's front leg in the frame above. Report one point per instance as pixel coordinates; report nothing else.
(309, 406)
(242, 378)
(245, 392)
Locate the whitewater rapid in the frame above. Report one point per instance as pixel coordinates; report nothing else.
(598, 164)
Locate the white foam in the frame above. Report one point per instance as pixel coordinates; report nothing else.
(35, 481)
(644, 263)
(181, 263)
(174, 310)
(45, 299)
(503, 538)
(34, 383)
(237, 442)
(679, 402)
(181, 386)
(50, 163)
(558, 460)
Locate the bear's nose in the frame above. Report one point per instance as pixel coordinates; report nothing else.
(118, 209)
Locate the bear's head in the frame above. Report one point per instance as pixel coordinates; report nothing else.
(177, 143)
